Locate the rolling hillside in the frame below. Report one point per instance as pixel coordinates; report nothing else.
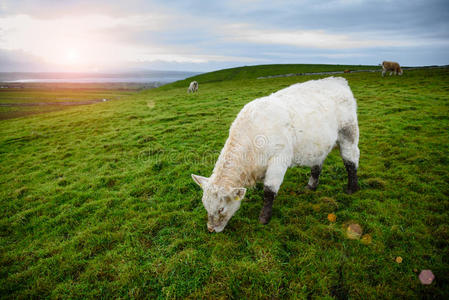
(97, 200)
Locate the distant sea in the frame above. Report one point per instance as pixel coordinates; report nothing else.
(160, 77)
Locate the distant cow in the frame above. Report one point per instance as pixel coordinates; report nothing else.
(347, 71)
(193, 87)
(392, 67)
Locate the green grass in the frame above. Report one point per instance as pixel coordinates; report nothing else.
(97, 200)
(253, 72)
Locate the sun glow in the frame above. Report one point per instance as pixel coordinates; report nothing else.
(88, 42)
(72, 57)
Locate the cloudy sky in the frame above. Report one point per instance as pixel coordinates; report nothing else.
(201, 35)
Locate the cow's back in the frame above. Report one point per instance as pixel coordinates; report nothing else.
(304, 118)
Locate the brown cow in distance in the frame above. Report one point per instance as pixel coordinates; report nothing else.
(392, 67)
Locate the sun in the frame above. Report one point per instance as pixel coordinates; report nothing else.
(72, 56)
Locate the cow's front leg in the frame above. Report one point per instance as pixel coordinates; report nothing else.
(273, 180)
(267, 209)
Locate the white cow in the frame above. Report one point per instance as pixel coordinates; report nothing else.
(296, 126)
(193, 87)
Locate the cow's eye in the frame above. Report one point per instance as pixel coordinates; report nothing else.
(220, 210)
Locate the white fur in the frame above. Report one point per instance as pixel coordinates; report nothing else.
(193, 87)
(298, 125)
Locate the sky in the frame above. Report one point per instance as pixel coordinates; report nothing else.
(201, 35)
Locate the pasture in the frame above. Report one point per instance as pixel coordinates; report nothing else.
(97, 200)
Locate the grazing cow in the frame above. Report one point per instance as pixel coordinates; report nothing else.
(296, 126)
(391, 66)
(347, 71)
(193, 87)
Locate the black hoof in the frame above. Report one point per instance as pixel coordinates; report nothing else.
(265, 217)
(352, 190)
(311, 188)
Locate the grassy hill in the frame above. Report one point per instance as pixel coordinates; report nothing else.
(253, 72)
(97, 200)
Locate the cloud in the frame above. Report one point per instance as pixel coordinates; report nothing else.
(308, 38)
(19, 60)
(100, 41)
(332, 55)
(198, 34)
(194, 58)
(89, 36)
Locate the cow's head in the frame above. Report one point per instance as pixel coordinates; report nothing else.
(220, 203)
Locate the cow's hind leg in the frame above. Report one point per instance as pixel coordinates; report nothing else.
(351, 168)
(348, 138)
(314, 177)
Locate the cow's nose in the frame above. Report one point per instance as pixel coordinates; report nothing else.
(211, 229)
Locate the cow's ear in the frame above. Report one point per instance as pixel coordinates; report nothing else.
(200, 180)
(238, 193)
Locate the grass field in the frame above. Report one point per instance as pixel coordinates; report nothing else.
(97, 200)
(24, 99)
